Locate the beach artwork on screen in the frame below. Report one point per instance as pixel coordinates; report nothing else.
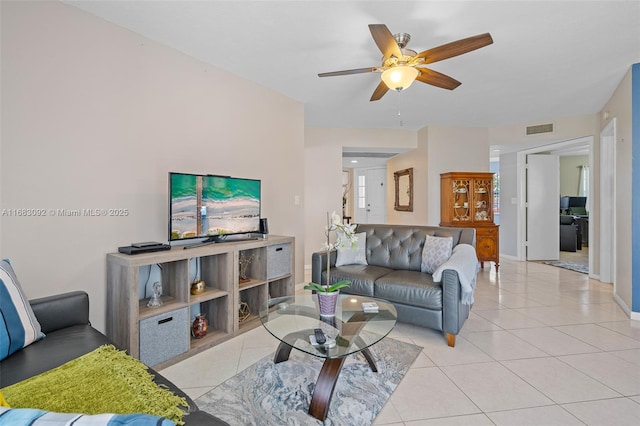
(204, 206)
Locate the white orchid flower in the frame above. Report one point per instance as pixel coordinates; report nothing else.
(343, 231)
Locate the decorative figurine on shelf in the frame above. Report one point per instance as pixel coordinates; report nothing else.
(199, 327)
(244, 264)
(243, 312)
(197, 287)
(155, 300)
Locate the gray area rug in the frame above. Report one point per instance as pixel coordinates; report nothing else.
(279, 394)
(566, 265)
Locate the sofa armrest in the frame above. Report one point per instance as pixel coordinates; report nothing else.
(454, 312)
(61, 310)
(319, 264)
(468, 236)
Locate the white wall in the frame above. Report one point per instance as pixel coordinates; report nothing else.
(619, 106)
(95, 116)
(509, 209)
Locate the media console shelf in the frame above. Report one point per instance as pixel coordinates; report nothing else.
(161, 336)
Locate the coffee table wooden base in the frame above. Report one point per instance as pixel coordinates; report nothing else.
(326, 382)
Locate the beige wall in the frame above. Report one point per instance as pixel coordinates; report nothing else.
(619, 106)
(416, 159)
(565, 128)
(436, 149)
(440, 149)
(323, 172)
(453, 149)
(95, 116)
(570, 174)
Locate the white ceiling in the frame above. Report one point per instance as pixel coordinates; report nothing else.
(548, 60)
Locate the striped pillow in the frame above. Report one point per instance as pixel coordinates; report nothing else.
(18, 324)
(35, 417)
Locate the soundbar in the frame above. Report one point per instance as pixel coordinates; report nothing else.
(144, 249)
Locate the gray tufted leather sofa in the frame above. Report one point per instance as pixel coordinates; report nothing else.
(394, 257)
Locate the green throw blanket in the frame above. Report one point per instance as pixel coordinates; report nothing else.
(105, 380)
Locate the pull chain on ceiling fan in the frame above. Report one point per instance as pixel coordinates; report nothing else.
(400, 66)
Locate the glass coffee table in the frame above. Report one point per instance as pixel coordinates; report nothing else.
(292, 321)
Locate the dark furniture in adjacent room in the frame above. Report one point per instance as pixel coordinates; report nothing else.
(570, 235)
(570, 205)
(573, 211)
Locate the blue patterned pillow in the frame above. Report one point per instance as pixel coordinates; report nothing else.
(18, 324)
(435, 252)
(35, 417)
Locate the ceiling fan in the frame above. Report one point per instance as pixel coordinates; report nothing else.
(401, 66)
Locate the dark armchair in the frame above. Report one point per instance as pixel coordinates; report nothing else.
(570, 235)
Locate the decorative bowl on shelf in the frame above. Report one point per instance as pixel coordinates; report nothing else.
(197, 287)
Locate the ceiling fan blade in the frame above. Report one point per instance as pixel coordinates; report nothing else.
(437, 79)
(379, 92)
(385, 41)
(455, 48)
(347, 72)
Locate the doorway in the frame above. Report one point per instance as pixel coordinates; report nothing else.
(522, 192)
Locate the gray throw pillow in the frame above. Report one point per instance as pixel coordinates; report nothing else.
(353, 255)
(435, 252)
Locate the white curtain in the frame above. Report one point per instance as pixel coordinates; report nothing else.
(583, 181)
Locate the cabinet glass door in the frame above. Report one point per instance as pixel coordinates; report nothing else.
(482, 200)
(461, 200)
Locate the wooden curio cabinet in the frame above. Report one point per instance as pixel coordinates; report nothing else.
(466, 200)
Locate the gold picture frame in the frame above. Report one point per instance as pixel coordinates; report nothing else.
(404, 190)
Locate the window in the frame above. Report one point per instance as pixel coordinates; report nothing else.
(362, 201)
(494, 166)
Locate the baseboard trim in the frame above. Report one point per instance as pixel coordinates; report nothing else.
(509, 257)
(625, 308)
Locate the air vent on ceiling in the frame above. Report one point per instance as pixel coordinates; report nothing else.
(540, 128)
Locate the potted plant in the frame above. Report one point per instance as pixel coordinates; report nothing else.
(328, 293)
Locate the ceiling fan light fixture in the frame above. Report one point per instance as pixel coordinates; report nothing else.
(399, 77)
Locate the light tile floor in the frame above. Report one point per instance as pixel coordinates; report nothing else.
(542, 346)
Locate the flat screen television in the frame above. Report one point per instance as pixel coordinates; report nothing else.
(578, 202)
(210, 206)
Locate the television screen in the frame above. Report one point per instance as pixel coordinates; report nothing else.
(577, 202)
(210, 206)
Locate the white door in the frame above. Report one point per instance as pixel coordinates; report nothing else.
(371, 195)
(543, 198)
